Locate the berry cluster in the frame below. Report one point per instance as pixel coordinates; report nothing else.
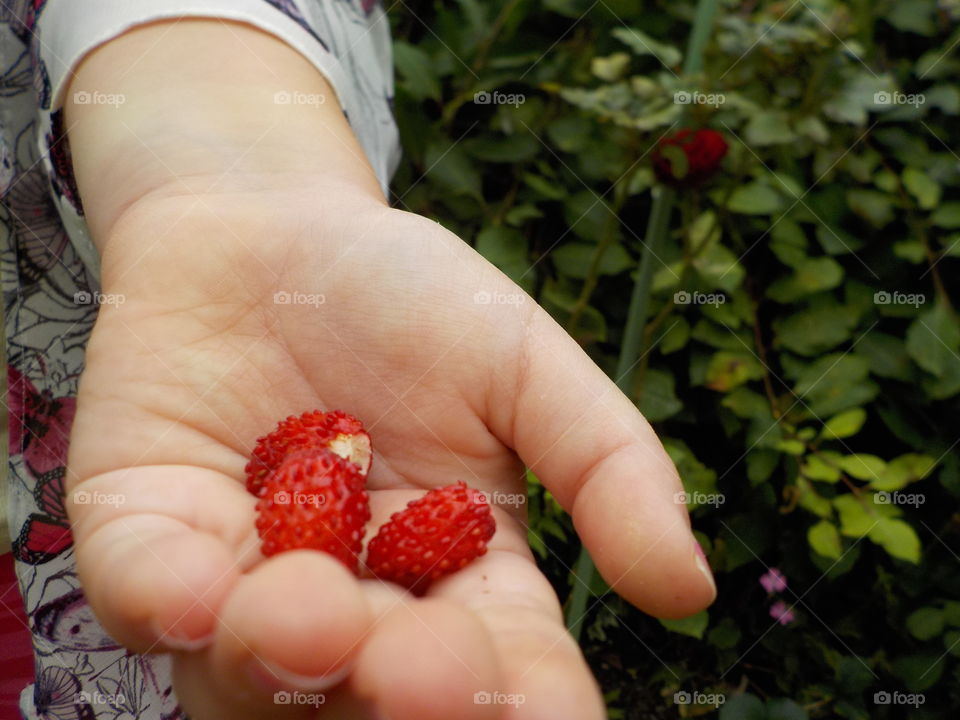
(309, 476)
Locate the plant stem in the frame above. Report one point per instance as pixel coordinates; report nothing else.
(631, 349)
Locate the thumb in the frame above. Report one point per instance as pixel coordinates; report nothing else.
(605, 465)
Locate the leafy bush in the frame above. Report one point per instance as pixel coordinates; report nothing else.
(801, 355)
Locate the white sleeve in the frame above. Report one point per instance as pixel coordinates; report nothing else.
(348, 41)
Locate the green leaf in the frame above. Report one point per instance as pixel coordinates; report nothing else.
(856, 96)
(746, 403)
(611, 67)
(520, 214)
(825, 540)
(874, 207)
(743, 707)
(676, 337)
(504, 148)
(416, 72)
(450, 168)
(729, 369)
(814, 128)
(947, 216)
(924, 188)
(789, 243)
(587, 214)
(761, 463)
(854, 518)
(574, 260)
(719, 268)
(844, 425)
(791, 447)
(919, 672)
(811, 275)
(813, 331)
(823, 467)
(951, 613)
(933, 339)
(810, 500)
(769, 127)
(785, 709)
(903, 470)
(698, 479)
(951, 642)
(886, 355)
(755, 199)
(724, 635)
(833, 383)
(925, 623)
(863, 466)
(643, 44)
(502, 246)
(569, 133)
(897, 538)
(916, 16)
(658, 400)
(550, 189)
(694, 626)
(910, 250)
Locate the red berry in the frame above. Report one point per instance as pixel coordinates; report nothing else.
(703, 149)
(314, 499)
(434, 536)
(335, 430)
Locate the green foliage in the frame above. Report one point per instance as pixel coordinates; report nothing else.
(802, 354)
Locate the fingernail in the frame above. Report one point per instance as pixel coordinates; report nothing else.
(704, 566)
(271, 678)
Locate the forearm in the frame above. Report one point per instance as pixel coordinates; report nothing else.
(198, 110)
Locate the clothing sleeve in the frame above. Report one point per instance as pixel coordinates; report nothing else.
(346, 40)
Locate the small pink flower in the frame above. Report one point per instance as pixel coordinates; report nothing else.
(773, 581)
(781, 613)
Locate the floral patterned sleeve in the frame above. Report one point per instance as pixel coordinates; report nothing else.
(49, 271)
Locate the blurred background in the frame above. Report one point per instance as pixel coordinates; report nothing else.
(797, 341)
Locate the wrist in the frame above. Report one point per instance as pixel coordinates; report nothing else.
(190, 125)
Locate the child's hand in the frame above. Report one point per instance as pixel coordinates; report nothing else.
(383, 321)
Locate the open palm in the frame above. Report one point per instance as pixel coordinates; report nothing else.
(253, 308)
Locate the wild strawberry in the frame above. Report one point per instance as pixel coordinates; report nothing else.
(433, 536)
(337, 431)
(688, 158)
(314, 499)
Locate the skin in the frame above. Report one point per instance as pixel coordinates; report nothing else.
(205, 198)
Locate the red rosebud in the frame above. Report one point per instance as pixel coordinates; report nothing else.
(703, 149)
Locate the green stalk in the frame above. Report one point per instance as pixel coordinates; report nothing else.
(631, 349)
